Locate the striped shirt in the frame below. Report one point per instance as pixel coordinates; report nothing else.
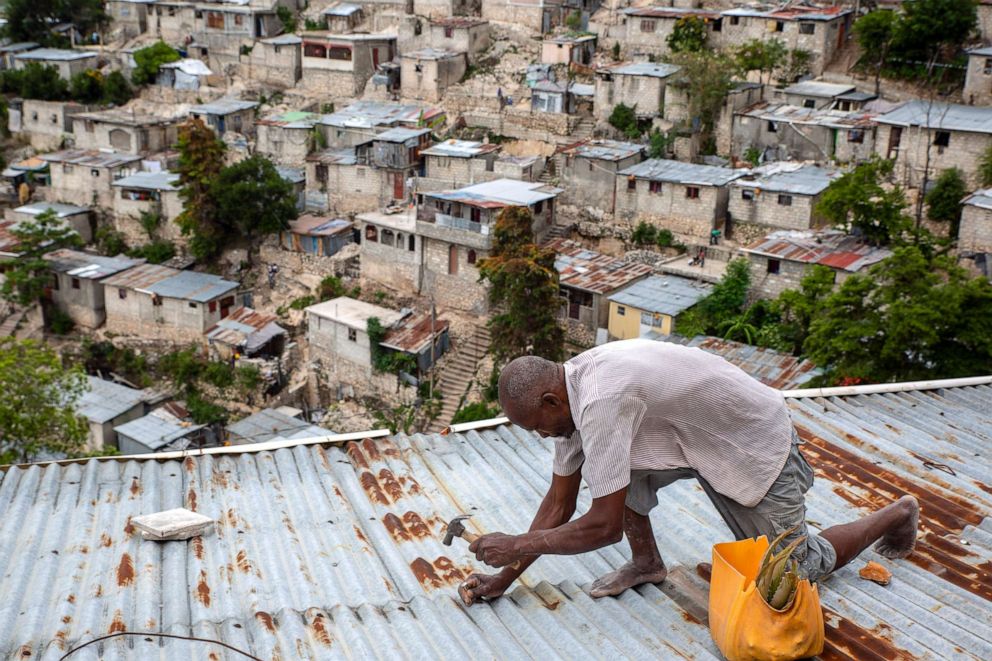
(645, 405)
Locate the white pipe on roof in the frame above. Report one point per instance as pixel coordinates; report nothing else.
(478, 424)
(877, 388)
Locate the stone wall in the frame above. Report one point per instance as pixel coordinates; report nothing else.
(975, 233)
(647, 93)
(766, 208)
(427, 79)
(395, 266)
(964, 151)
(690, 219)
(281, 145)
(461, 290)
(343, 264)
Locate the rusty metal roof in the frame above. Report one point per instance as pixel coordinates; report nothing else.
(90, 158)
(140, 277)
(580, 268)
(323, 551)
(415, 333)
(827, 247)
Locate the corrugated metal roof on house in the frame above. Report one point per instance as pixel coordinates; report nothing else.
(460, 148)
(312, 225)
(342, 156)
(283, 40)
(369, 114)
(819, 88)
(324, 551)
(985, 51)
(652, 69)
(827, 247)
(105, 400)
(86, 266)
(401, 134)
(500, 192)
(783, 112)
(245, 328)
(268, 424)
(192, 286)
(160, 181)
(140, 276)
(588, 270)
(61, 210)
(949, 116)
(291, 174)
(90, 158)
(293, 119)
(791, 12)
(18, 47)
(671, 12)
(980, 198)
(431, 54)
(223, 107)
(657, 169)
(54, 55)
(606, 150)
(414, 335)
(341, 9)
(158, 430)
(795, 178)
(663, 294)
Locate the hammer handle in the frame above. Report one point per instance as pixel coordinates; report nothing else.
(471, 537)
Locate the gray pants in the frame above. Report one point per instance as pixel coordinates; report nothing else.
(783, 507)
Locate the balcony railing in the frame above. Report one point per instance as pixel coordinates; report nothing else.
(444, 220)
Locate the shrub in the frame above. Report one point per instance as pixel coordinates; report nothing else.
(475, 411)
(59, 322)
(116, 89)
(87, 86)
(303, 302)
(148, 60)
(248, 377)
(110, 241)
(155, 252)
(184, 367)
(624, 119)
(203, 411)
(219, 375)
(644, 234)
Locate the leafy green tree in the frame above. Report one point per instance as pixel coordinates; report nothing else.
(523, 291)
(929, 27)
(761, 56)
(475, 411)
(707, 77)
(985, 167)
(253, 199)
(908, 318)
(148, 60)
(659, 144)
(116, 89)
(574, 21)
(795, 65)
(624, 119)
(87, 86)
(38, 409)
(858, 201)
(644, 234)
(32, 20)
(728, 297)
(27, 275)
(201, 160)
(738, 328)
(944, 199)
(798, 307)
(287, 18)
(688, 35)
(875, 32)
(35, 81)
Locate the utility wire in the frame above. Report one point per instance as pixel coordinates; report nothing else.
(160, 635)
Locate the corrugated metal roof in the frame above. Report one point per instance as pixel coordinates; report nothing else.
(401, 134)
(502, 192)
(784, 112)
(161, 181)
(368, 114)
(580, 268)
(980, 198)
(192, 286)
(266, 425)
(105, 400)
(223, 107)
(670, 12)
(949, 116)
(415, 333)
(86, 266)
(330, 552)
(157, 430)
(460, 148)
(283, 40)
(342, 156)
(61, 210)
(782, 178)
(245, 328)
(819, 88)
(292, 119)
(607, 150)
(90, 158)
(292, 175)
(663, 294)
(791, 12)
(312, 225)
(431, 54)
(657, 169)
(55, 55)
(985, 51)
(341, 9)
(18, 46)
(140, 276)
(828, 247)
(653, 69)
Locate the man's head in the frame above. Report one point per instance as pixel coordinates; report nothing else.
(533, 396)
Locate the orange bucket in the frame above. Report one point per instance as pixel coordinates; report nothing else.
(743, 625)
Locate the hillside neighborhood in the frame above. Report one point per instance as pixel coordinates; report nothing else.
(266, 260)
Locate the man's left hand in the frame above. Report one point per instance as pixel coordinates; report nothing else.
(495, 549)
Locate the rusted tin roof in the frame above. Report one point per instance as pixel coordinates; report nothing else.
(592, 271)
(323, 551)
(415, 333)
(827, 247)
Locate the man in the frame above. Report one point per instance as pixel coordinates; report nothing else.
(632, 417)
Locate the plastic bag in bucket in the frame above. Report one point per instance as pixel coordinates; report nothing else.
(743, 625)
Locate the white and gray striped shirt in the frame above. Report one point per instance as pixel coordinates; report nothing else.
(645, 405)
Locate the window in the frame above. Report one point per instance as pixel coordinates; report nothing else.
(418, 68)
(55, 281)
(621, 311)
(747, 194)
(239, 19)
(785, 200)
(809, 103)
(807, 28)
(471, 257)
(399, 240)
(539, 207)
(648, 25)
(311, 49)
(590, 166)
(192, 304)
(371, 233)
(453, 260)
(449, 32)
(54, 119)
(772, 127)
(735, 20)
(156, 300)
(75, 283)
(360, 172)
(773, 266)
(339, 53)
(942, 139)
(856, 135)
(212, 307)
(632, 184)
(215, 20)
(352, 335)
(94, 173)
(654, 186)
(387, 238)
(66, 168)
(412, 243)
(988, 66)
(692, 192)
(34, 116)
(779, 26)
(718, 25)
(122, 294)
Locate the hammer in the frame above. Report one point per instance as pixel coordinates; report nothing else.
(456, 528)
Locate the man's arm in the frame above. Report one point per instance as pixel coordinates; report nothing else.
(556, 509)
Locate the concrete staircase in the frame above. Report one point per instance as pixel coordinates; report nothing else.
(9, 320)
(460, 367)
(558, 232)
(584, 129)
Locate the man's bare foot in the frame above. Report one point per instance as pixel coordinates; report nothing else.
(628, 576)
(900, 541)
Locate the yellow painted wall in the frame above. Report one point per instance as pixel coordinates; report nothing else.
(628, 325)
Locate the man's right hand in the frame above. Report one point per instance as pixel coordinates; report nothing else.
(482, 586)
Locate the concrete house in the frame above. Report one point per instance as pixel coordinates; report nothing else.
(77, 287)
(569, 49)
(590, 167)
(586, 279)
(570, 98)
(107, 405)
(359, 122)
(187, 74)
(978, 78)
(130, 130)
(783, 132)
(816, 93)
(650, 306)
(75, 217)
(8, 51)
(955, 136)
(776, 196)
(342, 17)
(225, 115)
(130, 17)
(160, 431)
(689, 200)
(45, 124)
(780, 260)
(640, 85)
(537, 15)
(277, 61)
(31, 171)
(173, 21)
(390, 249)
(286, 137)
(443, 8)
(341, 64)
(396, 153)
(87, 176)
(455, 163)
(317, 235)
(272, 425)
(461, 34)
(455, 228)
(148, 192)
(246, 332)
(221, 29)
(646, 29)
(426, 73)
(160, 302)
(345, 181)
(67, 62)
(975, 232)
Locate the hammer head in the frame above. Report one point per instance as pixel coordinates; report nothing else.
(455, 528)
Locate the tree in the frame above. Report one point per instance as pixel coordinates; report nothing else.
(944, 199)
(798, 307)
(287, 18)
(725, 302)
(87, 86)
(32, 20)
(875, 32)
(148, 60)
(574, 21)
(908, 318)
(253, 199)
(36, 81)
(116, 89)
(930, 26)
(761, 56)
(795, 65)
(624, 119)
(523, 291)
(688, 35)
(659, 143)
(707, 77)
(858, 202)
(985, 167)
(27, 275)
(201, 159)
(37, 411)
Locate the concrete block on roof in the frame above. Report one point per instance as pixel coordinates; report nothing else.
(171, 525)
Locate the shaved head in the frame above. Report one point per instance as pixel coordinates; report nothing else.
(533, 395)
